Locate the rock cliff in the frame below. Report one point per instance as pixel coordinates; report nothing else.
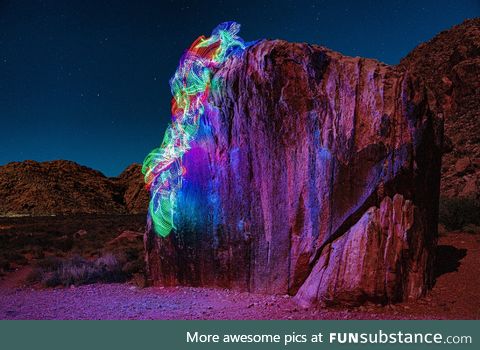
(450, 66)
(132, 186)
(318, 177)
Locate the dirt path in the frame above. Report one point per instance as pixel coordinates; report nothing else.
(455, 296)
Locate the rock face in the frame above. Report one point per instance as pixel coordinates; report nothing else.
(64, 187)
(450, 65)
(318, 177)
(132, 185)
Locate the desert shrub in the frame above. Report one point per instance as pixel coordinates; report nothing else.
(472, 229)
(133, 267)
(50, 263)
(4, 265)
(15, 258)
(456, 213)
(110, 268)
(64, 243)
(77, 271)
(51, 279)
(37, 252)
(131, 254)
(36, 275)
(139, 280)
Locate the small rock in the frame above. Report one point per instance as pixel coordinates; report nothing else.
(442, 230)
(470, 188)
(462, 165)
(80, 233)
(126, 236)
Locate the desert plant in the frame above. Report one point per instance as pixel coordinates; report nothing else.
(456, 213)
(34, 276)
(37, 252)
(77, 271)
(472, 229)
(50, 263)
(109, 268)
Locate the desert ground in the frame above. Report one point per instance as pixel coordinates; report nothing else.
(91, 267)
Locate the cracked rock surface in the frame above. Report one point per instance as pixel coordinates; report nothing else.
(318, 176)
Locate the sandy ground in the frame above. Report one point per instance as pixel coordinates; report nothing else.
(456, 295)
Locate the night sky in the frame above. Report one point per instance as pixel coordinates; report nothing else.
(88, 80)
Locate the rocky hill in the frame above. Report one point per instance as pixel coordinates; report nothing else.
(450, 64)
(132, 185)
(65, 187)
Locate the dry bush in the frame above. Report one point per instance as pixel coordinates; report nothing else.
(52, 272)
(460, 212)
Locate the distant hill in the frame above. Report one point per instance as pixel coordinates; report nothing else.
(132, 187)
(450, 64)
(65, 187)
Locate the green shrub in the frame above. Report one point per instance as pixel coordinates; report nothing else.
(456, 213)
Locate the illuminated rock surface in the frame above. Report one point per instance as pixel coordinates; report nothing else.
(319, 177)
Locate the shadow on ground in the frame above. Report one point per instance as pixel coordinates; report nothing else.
(448, 259)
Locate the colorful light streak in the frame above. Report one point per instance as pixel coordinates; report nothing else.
(190, 88)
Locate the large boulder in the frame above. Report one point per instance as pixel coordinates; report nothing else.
(318, 177)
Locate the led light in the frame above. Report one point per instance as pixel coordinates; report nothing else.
(190, 86)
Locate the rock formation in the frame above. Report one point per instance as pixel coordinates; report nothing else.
(450, 65)
(318, 177)
(132, 185)
(64, 187)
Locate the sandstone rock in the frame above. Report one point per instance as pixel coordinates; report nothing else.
(65, 187)
(80, 233)
(135, 196)
(56, 187)
(450, 66)
(442, 230)
(318, 177)
(470, 189)
(462, 164)
(351, 270)
(125, 237)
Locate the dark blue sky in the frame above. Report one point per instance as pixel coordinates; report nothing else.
(88, 80)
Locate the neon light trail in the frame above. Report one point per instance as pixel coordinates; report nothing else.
(190, 87)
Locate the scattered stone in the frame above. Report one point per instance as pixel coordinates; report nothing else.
(462, 165)
(125, 237)
(80, 233)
